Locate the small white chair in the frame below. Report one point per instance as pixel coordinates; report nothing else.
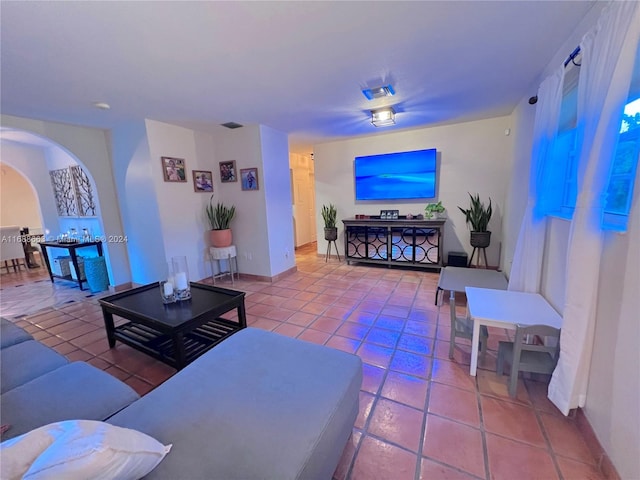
(529, 357)
(463, 327)
(11, 248)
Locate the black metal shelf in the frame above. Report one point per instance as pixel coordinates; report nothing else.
(162, 346)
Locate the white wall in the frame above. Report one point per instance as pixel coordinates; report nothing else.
(18, 200)
(91, 147)
(180, 206)
(31, 162)
(277, 191)
(473, 157)
(613, 398)
(517, 187)
(249, 227)
(137, 202)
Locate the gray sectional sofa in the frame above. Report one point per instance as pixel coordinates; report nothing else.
(258, 405)
(40, 386)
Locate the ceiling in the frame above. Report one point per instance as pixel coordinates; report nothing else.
(297, 67)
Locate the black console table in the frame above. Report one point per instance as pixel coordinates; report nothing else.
(71, 247)
(402, 242)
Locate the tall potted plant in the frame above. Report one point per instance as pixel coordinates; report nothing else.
(220, 217)
(477, 217)
(329, 214)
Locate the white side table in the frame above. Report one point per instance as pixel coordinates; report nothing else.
(223, 253)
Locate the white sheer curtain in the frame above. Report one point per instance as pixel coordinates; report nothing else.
(608, 54)
(526, 270)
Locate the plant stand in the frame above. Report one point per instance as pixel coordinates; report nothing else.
(227, 253)
(484, 252)
(326, 257)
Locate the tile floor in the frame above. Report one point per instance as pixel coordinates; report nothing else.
(421, 415)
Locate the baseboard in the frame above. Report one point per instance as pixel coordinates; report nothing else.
(262, 278)
(603, 461)
(121, 287)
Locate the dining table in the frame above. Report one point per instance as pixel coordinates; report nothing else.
(506, 309)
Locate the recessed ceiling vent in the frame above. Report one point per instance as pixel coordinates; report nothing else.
(231, 125)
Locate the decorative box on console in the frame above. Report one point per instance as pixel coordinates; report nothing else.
(60, 266)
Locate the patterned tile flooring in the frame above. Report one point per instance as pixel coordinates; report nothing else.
(421, 415)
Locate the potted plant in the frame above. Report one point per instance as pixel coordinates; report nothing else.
(329, 214)
(220, 217)
(477, 217)
(434, 209)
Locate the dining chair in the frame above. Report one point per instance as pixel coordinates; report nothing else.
(12, 249)
(463, 327)
(534, 357)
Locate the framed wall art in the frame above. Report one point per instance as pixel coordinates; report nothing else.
(202, 181)
(173, 169)
(228, 172)
(249, 178)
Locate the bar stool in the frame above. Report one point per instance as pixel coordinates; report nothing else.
(223, 253)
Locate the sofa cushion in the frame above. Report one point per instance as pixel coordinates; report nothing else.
(258, 405)
(10, 334)
(74, 391)
(80, 449)
(25, 361)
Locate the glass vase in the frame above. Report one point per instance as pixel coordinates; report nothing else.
(181, 278)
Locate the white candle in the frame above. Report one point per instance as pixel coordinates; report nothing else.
(181, 280)
(168, 289)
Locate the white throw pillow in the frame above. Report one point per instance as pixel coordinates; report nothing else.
(80, 449)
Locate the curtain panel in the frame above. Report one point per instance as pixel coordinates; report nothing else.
(608, 55)
(526, 271)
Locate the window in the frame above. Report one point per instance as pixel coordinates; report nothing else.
(560, 182)
(561, 191)
(623, 171)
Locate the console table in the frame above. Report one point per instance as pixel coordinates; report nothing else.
(71, 248)
(400, 242)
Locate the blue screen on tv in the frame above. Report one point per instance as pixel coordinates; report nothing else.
(394, 176)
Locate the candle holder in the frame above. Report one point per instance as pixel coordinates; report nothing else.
(181, 278)
(167, 292)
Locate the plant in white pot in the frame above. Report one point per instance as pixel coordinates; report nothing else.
(220, 217)
(477, 217)
(434, 210)
(329, 214)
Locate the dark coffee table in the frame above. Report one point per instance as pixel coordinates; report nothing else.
(178, 333)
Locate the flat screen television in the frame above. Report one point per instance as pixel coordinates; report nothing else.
(396, 176)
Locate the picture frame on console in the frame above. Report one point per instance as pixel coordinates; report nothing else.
(389, 214)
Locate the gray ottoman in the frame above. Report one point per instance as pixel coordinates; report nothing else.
(257, 406)
(10, 334)
(74, 391)
(25, 361)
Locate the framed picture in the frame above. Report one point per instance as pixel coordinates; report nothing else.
(249, 178)
(228, 172)
(389, 214)
(202, 181)
(173, 169)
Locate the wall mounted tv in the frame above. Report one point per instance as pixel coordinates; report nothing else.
(396, 176)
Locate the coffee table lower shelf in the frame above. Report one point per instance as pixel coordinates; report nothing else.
(162, 346)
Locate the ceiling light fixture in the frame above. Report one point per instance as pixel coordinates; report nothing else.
(379, 92)
(383, 117)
